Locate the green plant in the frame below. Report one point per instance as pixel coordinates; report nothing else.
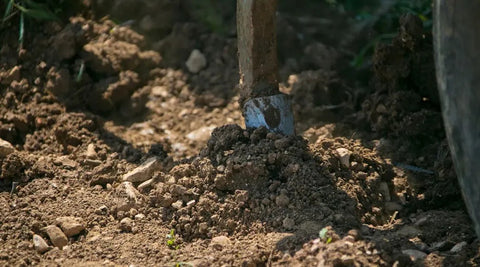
(171, 242)
(324, 236)
(26, 9)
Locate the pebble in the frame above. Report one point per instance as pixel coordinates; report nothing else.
(288, 223)
(415, 254)
(58, 238)
(139, 216)
(40, 244)
(126, 225)
(343, 155)
(458, 247)
(177, 204)
(409, 231)
(144, 171)
(71, 226)
(282, 200)
(196, 61)
(147, 184)
(219, 242)
(201, 135)
(5, 148)
(102, 210)
(91, 153)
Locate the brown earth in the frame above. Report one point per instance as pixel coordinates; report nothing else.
(108, 126)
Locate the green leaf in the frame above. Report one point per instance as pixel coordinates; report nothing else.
(41, 14)
(323, 233)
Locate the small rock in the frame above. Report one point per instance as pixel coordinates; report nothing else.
(65, 162)
(161, 91)
(102, 210)
(126, 225)
(415, 254)
(139, 216)
(458, 247)
(201, 135)
(177, 204)
(58, 238)
(91, 153)
(343, 155)
(282, 200)
(144, 171)
(219, 242)
(39, 244)
(196, 61)
(191, 203)
(5, 148)
(147, 184)
(288, 223)
(71, 226)
(408, 231)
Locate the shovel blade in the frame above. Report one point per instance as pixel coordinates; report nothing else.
(272, 112)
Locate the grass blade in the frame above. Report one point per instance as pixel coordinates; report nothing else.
(21, 30)
(8, 10)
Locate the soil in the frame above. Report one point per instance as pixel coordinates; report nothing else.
(151, 166)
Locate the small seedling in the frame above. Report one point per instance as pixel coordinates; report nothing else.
(171, 243)
(324, 236)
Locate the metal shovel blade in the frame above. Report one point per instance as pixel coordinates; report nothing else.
(273, 112)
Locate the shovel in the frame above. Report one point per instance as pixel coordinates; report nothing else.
(261, 101)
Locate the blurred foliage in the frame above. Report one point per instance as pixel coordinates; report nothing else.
(214, 14)
(387, 24)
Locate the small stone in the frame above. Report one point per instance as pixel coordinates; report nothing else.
(196, 61)
(91, 153)
(191, 203)
(178, 190)
(415, 254)
(288, 223)
(343, 155)
(144, 171)
(201, 134)
(219, 242)
(139, 216)
(126, 225)
(58, 238)
(409, 231)
(102, 210)
(5, 148)
(161, 91)
(40, 244)
(458, 247)
(282, 200)
(147, 184)
(177, 204)
(71, 226)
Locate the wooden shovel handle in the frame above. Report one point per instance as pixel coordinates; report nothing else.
(257, 48)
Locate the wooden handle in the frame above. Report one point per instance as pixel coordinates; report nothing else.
(257, 48)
